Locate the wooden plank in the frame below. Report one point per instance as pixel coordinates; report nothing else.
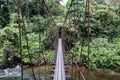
(59, 72)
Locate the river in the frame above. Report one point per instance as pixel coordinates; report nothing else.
(14, 74)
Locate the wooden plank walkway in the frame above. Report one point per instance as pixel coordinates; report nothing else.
(59, 72)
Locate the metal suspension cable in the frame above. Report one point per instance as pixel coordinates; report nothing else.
(51, 18)
(88, 33)
(68, 12)
(53, 28)
(74, 38)
(20, 36)
(82, 41)
(45, 54)
(76, 18)
(49, 12)
(39, 28)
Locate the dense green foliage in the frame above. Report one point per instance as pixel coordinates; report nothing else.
(104, 35)
(37, 22)
(104, 31)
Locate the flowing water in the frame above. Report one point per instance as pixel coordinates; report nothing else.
(14, 74)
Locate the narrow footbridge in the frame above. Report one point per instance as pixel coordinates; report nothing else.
(59, 72)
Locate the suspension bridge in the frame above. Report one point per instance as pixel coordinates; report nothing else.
(59, 73)
(59, 67)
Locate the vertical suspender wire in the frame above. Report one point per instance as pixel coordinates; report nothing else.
(70, 44)
(26, 38)
(30, 58)
(68, 16)
(45, 25)
(28, 47)
(49, 12)
(46, 52)
(39, 51)
(46, 35)
(74, 23)
(48, 64)
(67, 35)
(78, 22)
(82, 41)
(64, 24)
(68, 47)
(88, 24)
(88, 34)
(71, 52)
(27, 7)
(39, 38)
(20, 36)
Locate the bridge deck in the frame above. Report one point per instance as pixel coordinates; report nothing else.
(59, 73)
